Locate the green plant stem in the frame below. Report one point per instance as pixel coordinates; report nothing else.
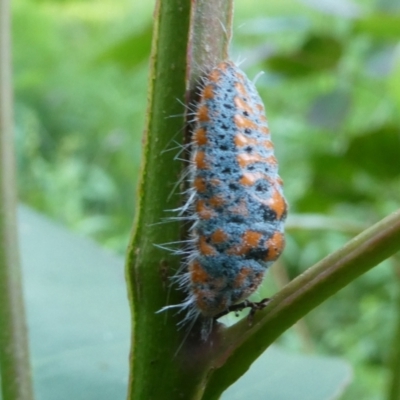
(394, 358)
(156, 371)
(322, 222)
(281, 279)
(241, 344)
(154, 339)
(210, 34)
(14, 355)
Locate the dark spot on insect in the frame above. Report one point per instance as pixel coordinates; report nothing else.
(261, 186)
(223, 115)
(225, 127)
(251, 168)
(248, 149)
(248, 131)
(233, 186)
(226, 171)
(257, 254)
(223, 147)
(246, 113)
(228, 106)
(268, 214)
(236, 218)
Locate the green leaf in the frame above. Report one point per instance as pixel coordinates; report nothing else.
(268, 378)
(130, 51)
(316, 54)
(78, 314)
(80, 326)
(379, 26)
(377, 152)
(332, 182)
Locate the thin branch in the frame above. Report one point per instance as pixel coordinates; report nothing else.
(281, 279)
(14, 355)
(241, 344)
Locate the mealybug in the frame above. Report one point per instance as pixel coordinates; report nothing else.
(235, 196)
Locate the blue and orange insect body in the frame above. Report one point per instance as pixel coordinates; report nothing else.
(235, 198)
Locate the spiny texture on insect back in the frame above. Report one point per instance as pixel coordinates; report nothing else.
(236, 195)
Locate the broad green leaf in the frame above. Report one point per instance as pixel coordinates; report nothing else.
(130, 51)
(377, 152)
(79, 326)
(317, 53)
(379, 26)
(279, 375)
(78, 314)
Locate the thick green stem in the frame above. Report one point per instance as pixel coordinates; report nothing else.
(155, 340)
(241, 344)
(14, 356)
(156, 372)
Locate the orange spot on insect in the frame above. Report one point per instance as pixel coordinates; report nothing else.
(241, 277)
(206, 249)
(216, 201)
(242, 105)
(200, 160)
(272, 160)
(214, 75)
(224, 65)
(200, 184)
(275, 245)
(219, 236)
(242, 140)
(265, 130)
(215, 181)
(245, 159)
(260, 107)
(206, 301)
(277, 203)
(249, 179)
(200, 137)
(197, 273)
(240, 209)
(203, 211)
(268, 144)
(250, 240)
(241, 89)
(202, 114)
(244, 123)
(208, 92)
(202, 296)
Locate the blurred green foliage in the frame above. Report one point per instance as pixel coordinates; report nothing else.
(332, 92)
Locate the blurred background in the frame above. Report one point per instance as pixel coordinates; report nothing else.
(331, 87)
